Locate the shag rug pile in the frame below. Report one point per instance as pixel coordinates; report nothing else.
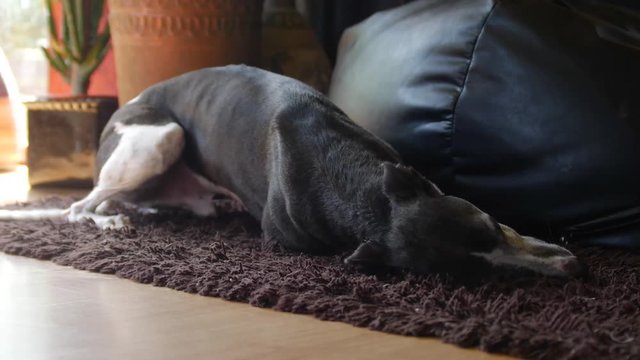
(530, 317)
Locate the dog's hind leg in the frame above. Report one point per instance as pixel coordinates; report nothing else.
(184, 188)
(140, 165)
(142, 153)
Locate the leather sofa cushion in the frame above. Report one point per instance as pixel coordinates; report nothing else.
(518, 106)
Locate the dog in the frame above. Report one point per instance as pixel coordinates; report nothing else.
(316, 181)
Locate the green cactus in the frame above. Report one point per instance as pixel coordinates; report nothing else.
(82, 47)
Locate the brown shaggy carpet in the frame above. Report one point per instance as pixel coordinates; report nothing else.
(530, 317)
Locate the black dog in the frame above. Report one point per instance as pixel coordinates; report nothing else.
(283, 152)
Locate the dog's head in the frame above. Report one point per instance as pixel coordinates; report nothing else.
(430, 231)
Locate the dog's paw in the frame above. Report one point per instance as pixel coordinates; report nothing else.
(103, 222)
(115, 222)
(229, 206)
(238, 206)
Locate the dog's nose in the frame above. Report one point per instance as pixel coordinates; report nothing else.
(571, 266)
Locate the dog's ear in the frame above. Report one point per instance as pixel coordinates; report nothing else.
(399, 182)
(368, 254)
(432, 189)
(402, 183)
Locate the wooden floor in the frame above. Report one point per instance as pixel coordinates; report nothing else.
(53, 312)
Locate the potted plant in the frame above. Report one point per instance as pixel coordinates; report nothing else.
(64, 131)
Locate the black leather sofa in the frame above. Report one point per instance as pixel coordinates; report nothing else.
(519, 106)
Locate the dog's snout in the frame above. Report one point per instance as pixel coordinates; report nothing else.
(571, 266)
(543, 249)
(534, 254)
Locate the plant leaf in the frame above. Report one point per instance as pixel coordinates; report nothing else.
(57, 45)
(101, 42)
(69, 18)
(96, 11)
(99, 51)
(79, 13)
(57, 62)
(51, 22)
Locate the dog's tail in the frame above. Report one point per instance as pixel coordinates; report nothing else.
(34, 214)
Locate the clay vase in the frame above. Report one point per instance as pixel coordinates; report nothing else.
(155, 40)
(289, 46)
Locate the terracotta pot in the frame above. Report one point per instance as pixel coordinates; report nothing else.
(63, 138)
(157, 39)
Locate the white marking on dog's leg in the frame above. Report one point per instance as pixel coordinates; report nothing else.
(35, 214)
(92, 201)
(143, 152)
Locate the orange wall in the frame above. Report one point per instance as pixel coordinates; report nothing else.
(103, 81)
